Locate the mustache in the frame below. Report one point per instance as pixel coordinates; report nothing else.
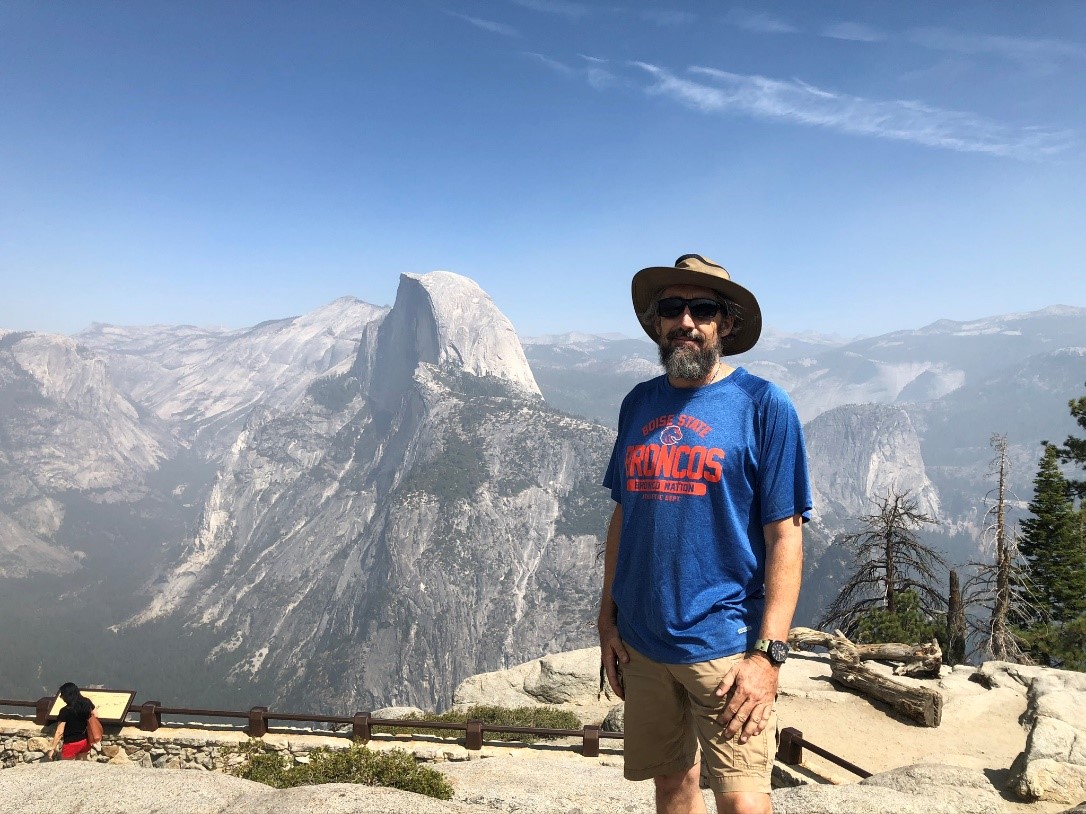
(685, 333)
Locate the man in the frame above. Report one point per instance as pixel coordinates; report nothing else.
(704, 550)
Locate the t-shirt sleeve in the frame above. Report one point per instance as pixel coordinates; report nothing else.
(65, 714)
(612, 479)
(784, 484)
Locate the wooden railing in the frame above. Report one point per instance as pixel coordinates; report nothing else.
(789, 751)
(258, 720)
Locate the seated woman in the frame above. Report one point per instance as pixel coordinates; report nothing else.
(72, 726)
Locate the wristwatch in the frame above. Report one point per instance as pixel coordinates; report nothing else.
(776, 651)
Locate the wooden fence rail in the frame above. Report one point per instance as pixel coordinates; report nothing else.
(789, 751)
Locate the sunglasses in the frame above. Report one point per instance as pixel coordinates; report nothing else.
(700, 307)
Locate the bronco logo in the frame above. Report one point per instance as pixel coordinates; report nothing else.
(671, 435)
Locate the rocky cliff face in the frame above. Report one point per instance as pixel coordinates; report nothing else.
(416, 519)
(857, 454)
(860, 452)
(64, 428)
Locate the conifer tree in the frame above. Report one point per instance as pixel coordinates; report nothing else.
(1051, 542)
(1074, 449)
(1054, 543)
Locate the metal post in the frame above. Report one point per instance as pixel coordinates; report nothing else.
(41, 710)
(790, 750)
(258, 724)
(361, 729)
(591, 747)
(150, 717)
(473, 737)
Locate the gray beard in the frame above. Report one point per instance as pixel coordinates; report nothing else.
(691, 364)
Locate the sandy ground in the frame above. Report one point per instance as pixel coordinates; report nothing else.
(980, 728)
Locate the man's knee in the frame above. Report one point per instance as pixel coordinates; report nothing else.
(676, 781)
(743, 803)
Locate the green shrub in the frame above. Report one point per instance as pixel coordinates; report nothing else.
(909, 625)
(395, 769)
(539, 717)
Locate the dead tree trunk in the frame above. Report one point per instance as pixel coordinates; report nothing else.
(955, 622)
(921, 704)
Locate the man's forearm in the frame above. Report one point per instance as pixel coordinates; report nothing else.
(783, 575)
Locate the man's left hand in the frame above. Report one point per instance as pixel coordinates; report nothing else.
(751, 687)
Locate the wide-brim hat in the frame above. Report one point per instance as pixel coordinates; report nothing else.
(693, 269)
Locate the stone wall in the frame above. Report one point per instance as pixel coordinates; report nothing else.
(22, 741)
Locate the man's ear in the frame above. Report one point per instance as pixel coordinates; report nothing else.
(725, 327)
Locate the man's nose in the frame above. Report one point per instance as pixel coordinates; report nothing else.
(685, 318)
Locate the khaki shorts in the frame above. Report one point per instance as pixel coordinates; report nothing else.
(672, 708)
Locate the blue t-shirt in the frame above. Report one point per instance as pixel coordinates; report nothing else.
(699, 472)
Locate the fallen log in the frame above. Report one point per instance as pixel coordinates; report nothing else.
(921, 704)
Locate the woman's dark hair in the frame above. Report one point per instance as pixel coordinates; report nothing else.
(74, 699)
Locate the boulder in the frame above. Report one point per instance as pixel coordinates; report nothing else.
(396, 713)
(568, 680)
(616, 719)
(1053, 765)
(919, 789)
(1006, 674)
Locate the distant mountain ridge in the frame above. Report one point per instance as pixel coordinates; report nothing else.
(368, 503)
(205, 381)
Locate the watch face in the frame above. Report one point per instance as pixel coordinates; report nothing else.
(778, 652)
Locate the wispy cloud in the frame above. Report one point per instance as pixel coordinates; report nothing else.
(1040, 55)
(759, 22)
(552, 64)
(595, 71)
(858, 32)
(598, 72)
(563, 8)
(667, 17)
(487, 25)
(719, 92)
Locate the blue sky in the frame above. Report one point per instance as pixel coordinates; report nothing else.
(862, 166)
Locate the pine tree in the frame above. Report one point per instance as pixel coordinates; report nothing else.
(1074, 449)
(1054, 544)
(1051, 542)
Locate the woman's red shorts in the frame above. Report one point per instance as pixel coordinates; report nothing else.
(74, 749)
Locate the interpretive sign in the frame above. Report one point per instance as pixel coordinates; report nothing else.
(111, 705)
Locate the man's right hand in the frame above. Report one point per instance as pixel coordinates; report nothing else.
(613, 655)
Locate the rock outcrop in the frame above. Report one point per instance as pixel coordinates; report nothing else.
(919, 789)
(1053, 765)
(568, 680)
(73, 786)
